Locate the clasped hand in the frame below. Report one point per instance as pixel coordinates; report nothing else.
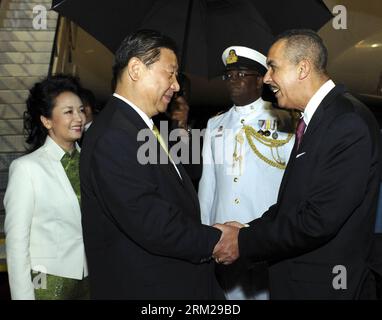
(226, 251)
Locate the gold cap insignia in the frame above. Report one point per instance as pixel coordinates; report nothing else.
(232, 57)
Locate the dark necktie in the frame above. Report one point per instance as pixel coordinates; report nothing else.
(300, 131)
(71, 164)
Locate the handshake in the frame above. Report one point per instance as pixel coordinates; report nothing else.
(226, 251)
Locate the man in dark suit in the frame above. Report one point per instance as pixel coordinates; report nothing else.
(141, 221)
(318, 236)
(89, 102)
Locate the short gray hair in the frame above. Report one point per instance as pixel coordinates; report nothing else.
(305, 44)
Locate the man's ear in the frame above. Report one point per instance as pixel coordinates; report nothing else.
(304, 69)
(46, 122)
(134, 68)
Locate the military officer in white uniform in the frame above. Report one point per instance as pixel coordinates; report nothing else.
(245, 152)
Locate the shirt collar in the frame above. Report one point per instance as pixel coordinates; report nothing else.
(54, 149)
(316, 99)
(149, 122)
(249, 108)
(86, 126)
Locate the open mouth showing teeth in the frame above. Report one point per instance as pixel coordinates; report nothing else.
(274, 89)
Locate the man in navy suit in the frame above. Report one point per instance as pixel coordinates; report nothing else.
(318, 237)
(376, 255)
(141, 221)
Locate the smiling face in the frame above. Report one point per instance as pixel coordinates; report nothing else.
(159, 83)
(283, 77)
(67, 121)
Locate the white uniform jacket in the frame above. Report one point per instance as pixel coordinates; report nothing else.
(242, 189)
(42, 221)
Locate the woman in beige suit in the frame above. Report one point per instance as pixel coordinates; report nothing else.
(44, 245)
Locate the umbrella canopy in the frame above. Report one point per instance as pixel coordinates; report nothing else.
(202, 28)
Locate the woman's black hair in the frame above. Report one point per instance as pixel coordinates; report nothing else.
(41, 101)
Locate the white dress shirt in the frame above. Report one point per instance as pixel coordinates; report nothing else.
(315, 101)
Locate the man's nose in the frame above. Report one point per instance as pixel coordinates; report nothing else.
(175, 86)
(79, 116)
(267, 78)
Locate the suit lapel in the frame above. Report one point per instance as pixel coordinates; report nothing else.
(136, 120)
(287, 171)
(314, 123)
(129, 115)
(60, 174)
(320, 112)
(169, 166)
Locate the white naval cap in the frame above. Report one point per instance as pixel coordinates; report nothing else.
(236, 57)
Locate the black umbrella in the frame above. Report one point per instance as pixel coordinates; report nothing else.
(202, 28)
